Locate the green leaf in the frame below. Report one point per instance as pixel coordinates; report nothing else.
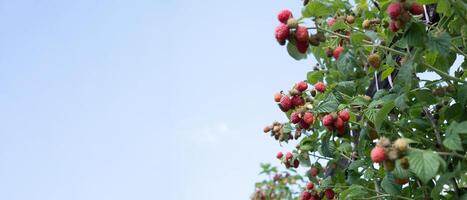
(386, 73)
(382, 114)
(339, 25)
(424, 163)
(425, 95)
(354, 191)
(316, 9)
(329, 104)
(389, 185)
(314, 76)
(294, 53)
(416, 35)
(357, 38)
(346, 87)
(453, 140)
(356, 164)
(427, 1)
(439, 42)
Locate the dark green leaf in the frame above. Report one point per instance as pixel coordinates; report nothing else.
(382, 114)
(416, 35)
(314, 76)
(389, 185)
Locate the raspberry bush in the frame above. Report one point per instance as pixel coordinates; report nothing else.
(365, 124)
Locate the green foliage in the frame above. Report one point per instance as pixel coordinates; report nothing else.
(431, 115)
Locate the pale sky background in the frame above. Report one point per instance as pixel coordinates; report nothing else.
(117, 100)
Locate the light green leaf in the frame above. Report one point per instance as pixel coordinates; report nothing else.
(316, 9)
(382, 114)
(357, 38)
(339, 25)
(314, 76)
(424, 163)
(387, 72)
(427, 1)
(354, 191)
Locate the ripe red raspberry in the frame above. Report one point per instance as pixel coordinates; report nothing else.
(284, 15)
(331, 21)
(308, 118)
(279, 155)
(301, 34)
(288, 156)
(285, 103)
(378, 155)
(296, 163)
(341, 131)
(329, 193)
(344, 115)
(294, 118)
(302, 47)
(315, 197)
(320, 87)
(282, 33)
(394, 10)
(297, 101)
(416, 9)
(314, 171)
(277, 97)
(328, 120)
(339, 123)
(393, 26)
(306, 195)
(304, 125)
(337, 52)
(302, 86)
(310, 185)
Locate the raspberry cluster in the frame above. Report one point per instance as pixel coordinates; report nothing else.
(277, 131)
(337, 122)
(289, 160)
(289, 29)
(386, 153)
(310, 194)
(400, 11)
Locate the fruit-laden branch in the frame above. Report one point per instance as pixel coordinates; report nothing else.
(439, 72)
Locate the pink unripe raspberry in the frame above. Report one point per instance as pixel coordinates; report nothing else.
(416, 9)
(378, 155)
(344, 115)
(329, 193)
(288, 156)
(328, 120)
(337, 52)
(284, 15)
(277, 97)
(320, 87)
(301, 34)
(393, 26)
(331, 21)
(308, 118)
(279, 155)
(302, 86)
(302, 47)
(282, 33)
(394, 10)
(306, 195)
(297, 101)
(285, 103)
(310, 185)
(294, 117)
(304, 125)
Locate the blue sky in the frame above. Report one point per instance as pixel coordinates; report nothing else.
(138, 99)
